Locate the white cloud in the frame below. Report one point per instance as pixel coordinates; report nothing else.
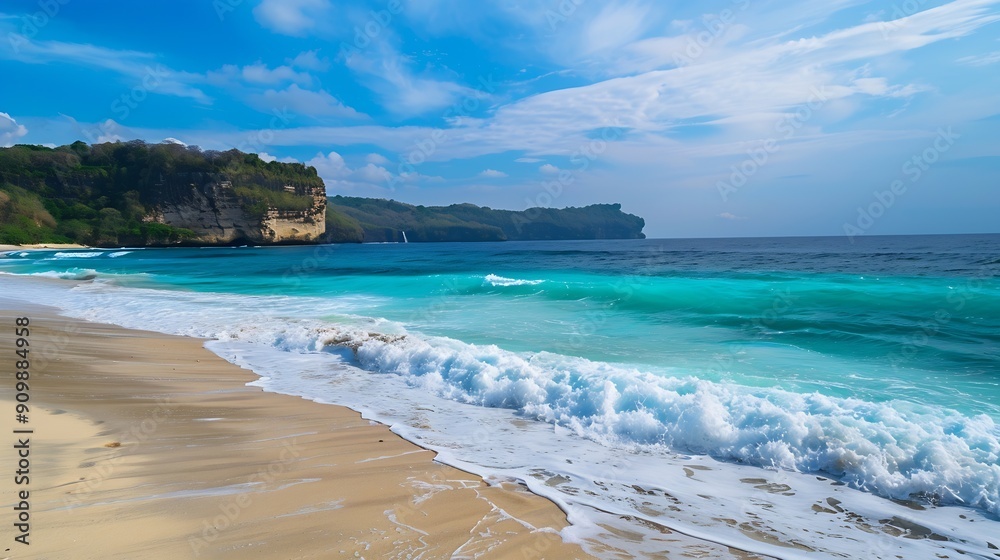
(492, 174)
(615, 25)
(339, 177)
(371, 173)
(172, 140)
(110, 131)
(549, 169)
(730, 216)
(388, 73)
(981, 60)
(259, 73)
(310, 60)
(300, 101)
(743, 91)
(331, 165)
(140, 68)
(377, 159)
(256, 74)
(10, 131)
(292, 17)
(266, 157)
(528, 160)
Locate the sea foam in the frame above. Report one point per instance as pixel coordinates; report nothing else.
(77, 255)
(500, 281)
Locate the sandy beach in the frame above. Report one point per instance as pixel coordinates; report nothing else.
(149, 446)
(6, 248)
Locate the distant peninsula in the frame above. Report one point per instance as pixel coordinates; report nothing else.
(352, 219)
(138, 194)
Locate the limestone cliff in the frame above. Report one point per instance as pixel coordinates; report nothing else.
(138, 194)
(219, 216)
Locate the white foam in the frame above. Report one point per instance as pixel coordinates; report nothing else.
(613, 426)
(77, 255)
(500, 281)
(117, 254)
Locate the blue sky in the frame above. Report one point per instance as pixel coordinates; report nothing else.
(718, 118)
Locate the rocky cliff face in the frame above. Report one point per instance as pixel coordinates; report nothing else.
(218, 217)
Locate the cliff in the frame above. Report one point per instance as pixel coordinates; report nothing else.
(138, 194)
(216, 215)
(134, 193)
(355, 220)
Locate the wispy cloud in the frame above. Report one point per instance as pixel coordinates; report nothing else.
(390, 74)
(257, 73)
(142, 68)
(303, 102)
(981, 60)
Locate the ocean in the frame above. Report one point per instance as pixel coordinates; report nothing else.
(789, 397)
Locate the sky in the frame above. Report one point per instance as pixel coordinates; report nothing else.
(721, 118)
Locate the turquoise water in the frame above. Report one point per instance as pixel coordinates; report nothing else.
(914, 318)
(877, 362)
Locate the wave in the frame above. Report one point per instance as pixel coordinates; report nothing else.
(896, 450)
(893, 449)
(71, 274)
(117, 254)
(500, 281)
(76, 255)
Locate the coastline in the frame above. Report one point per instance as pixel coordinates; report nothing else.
(9, 248)
(150, 446)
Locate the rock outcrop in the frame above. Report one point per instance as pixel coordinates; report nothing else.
(217, 216)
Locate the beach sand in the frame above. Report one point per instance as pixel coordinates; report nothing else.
(8, 248)
(150, 446)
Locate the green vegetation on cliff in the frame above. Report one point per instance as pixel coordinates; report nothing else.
(352, 219)
(104, 194)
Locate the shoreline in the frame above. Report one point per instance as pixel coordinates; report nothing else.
(163, 443)
(6, 248)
